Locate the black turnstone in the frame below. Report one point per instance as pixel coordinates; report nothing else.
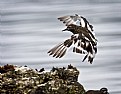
(83, 39)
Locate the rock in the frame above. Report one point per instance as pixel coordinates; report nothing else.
(24, 80)
(101, 91)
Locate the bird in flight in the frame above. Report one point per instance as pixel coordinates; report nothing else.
(82, 39)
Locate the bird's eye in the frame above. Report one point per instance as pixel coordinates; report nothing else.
(69, 25)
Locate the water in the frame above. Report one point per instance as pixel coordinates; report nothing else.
(29, 28)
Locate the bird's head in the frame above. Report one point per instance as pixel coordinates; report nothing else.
(69, 27)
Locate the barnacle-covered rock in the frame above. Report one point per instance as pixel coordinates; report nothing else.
(6, 68)
(24, 80)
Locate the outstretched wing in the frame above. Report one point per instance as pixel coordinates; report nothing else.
(60, 50)
(67, 20)
(76, 20)
(82, 46)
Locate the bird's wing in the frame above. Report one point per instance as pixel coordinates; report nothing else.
(90, 53)
(80, 46)
(67, 20)
(87, 24)
(60, 50)
(84, 46)
(76, 20)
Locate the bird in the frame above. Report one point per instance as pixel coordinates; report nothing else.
(101, 91)
(82, 39)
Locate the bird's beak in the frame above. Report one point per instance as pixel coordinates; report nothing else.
(65, 29)
(76, 14)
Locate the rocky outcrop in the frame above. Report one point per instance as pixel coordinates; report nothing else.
(24, 80)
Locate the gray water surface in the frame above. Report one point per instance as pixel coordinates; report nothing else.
(29, 28)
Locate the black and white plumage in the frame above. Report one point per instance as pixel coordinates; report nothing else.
(67, 20)
(82, 40)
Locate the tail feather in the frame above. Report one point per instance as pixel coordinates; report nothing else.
(56, 51)
(63, 51)
(60, 50)
(51, 51)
